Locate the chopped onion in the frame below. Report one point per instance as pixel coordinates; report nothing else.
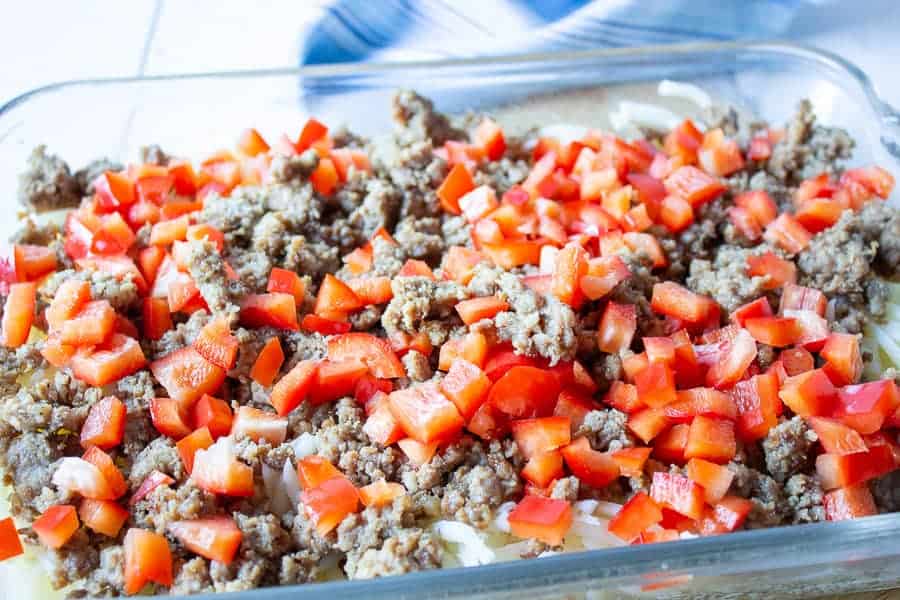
(564, 132)
(501, 517)
(586, 506)
(648, 115)
(512, 551)
(548, 553)
(280, 503)
(593, 532)
(688, 91)
(548, 259)
(607, 509)
(889, 346)
(291, 484)
(473, 551)
(306, 444)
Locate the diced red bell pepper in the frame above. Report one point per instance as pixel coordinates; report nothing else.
(182, 293)
(676, 213)
(90, 326)
(466, 386)
(314, 470)
(372, 290)
(866, 406)
(648, 423)
(631, 461)
(760, 148)
(677, 493)
(874, 178)
(669, 445)
(214, 414)
(759, 204)
(809, 394)
(375, 352)
(259, 425)
(33, 262)
(287, 282)
(459, 263)
(489, 137)
(457, 183)
(380, 493)
(837, 470)
(596, 469)
(478, 203)
(711, 439)
(573, 404)
(814, 329)
(113, 190)
(335, 380)
(718, 155)
(68, 301)
(701, 401)
(788, 234)
(329, 503)
(818, 214)
(647, 244)
(276, 310)
(106, 517)
(541, 435)
(216, 344)
(656, 385)
(186, 375)
(83, 477)
(726, 515)
(147, 559)
(639, 513)
(777, 270)
(150, 483)
(651, 191)
(56, 525)
(674, 300)
(693, 185)
(108, 362)
(603, 275)
(617, 327)
(335, 295)
(166, 232)
(268, 362)
(513, 253)
(316, 324)
(733, 365)
(542, 469)
(105, 424)
(167, 419)
(325, 178)
(381, 426)
(489, 423)
(714, 479)
(416, 268)
(571, 265)
(544, 519)
(624, 397)
(524, 392)
(837, 438)
(217, 470)
(10, 544)
(18, 314)
(368, 386)
(476, 309)
(425, 414)
(843, 360)
(798, 297)
(758, 405)
(752, 310)
(416, 452)
(108, 470)
(215, 538)
(156, 317)
(774, 331)
(684, 141)
(188, 446)
(849, 502)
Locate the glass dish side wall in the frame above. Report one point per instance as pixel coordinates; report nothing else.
(194, 115)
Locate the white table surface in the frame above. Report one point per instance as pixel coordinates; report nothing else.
(43, 41)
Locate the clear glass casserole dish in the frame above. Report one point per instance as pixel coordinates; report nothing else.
(189, 115)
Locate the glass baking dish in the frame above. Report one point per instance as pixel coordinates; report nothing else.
(194, 114)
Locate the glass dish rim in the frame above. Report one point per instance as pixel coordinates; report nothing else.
(887, 112)
(627, 561)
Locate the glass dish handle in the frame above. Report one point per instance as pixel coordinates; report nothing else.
(890, 134)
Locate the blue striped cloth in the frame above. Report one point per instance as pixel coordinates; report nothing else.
(392, 30)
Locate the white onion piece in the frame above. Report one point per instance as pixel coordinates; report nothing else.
(275, 489)
(291, 483)
(889, 346)
(564, 132)
(501, 516)
(594, 533)
(607, 509)
(306, 444)
(648, 115)
(473, 551)
(586, 506)
(688, 91)
(512, 551)
(548, 259)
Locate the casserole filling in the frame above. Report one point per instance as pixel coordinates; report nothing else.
(322, 356)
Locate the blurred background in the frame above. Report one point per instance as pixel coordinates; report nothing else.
(46, 41)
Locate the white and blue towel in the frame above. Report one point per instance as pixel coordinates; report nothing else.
(396, 30)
